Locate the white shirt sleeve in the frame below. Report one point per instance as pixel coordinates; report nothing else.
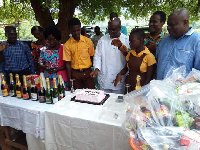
(97, 56)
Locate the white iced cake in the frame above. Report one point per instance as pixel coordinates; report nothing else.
(90, 95)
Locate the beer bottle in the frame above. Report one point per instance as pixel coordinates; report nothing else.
(138, 78)
(48, 93)
(4, 86)
(55, 91)
(12, 91)
(148, 118)
(41, 93)
(25, 89)
(34, 90)
(163, 114)
(18, 87)
(61, 89)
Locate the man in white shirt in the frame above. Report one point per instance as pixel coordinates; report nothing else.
(108, 59)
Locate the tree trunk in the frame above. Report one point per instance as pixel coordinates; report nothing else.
(67, 8)
(43, 15)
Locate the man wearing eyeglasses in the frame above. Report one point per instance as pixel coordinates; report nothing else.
(108, 59)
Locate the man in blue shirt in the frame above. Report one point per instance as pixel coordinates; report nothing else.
(17, 55)
(180, 47)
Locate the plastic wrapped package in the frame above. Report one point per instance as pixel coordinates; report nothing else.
(160, 117)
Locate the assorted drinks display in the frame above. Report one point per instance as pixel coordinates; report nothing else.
(32, 92)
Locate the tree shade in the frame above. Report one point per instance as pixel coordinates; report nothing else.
(45, 11)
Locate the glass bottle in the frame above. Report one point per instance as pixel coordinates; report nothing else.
(18, 87)
(138, 78)
(41, 93)
(12, 91)
(25, 89)
(55, 91)
(4, 86)
(48, 92)
(61, 88)
(34, 90)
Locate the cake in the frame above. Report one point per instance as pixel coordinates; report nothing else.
(90, 95)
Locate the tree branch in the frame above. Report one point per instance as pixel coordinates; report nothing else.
(42, 14)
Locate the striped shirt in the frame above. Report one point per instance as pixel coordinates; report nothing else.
(18, 57)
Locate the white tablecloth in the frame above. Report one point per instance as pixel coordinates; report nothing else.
(25, 115)
(72, 125)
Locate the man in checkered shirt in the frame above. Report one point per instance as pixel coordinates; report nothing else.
(17, 55)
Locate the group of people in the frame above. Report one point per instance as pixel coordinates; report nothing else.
(116, 58)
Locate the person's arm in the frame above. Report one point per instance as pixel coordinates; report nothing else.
(149, 74)
(2, 59)
(151, 45)
(97, 60)
(119, 76)
(116, 42)
(196, 58)
(54, 70)
(69, 68)
(151, 63)
(29, 58)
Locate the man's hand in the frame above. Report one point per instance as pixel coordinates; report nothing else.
(3, 46)
(118, 79)
(116, 42)
(94, 73)
(151, 46)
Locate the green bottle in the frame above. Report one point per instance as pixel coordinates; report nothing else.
(48, 93)
(61, 88)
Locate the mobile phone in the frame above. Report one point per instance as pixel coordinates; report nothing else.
(120, 99)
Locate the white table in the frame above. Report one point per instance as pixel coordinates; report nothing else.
(72, 125)
(25, 115)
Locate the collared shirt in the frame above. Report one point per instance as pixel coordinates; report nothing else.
(148, 60)
(156, 38)
(110, 61)
(78, 52)
(172, 53)
(18, 57)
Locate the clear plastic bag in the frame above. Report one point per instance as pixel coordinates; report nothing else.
(165, 115)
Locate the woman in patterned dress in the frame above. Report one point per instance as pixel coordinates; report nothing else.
(37, 32)
(51, 56)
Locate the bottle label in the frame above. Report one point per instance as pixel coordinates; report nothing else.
(12, 93)
(25, 96)
(34, 96)
(49, 100)
(4, 92)
(19, 95)
(163, 111)
(61, 96)
(42, 99)
(55, 100)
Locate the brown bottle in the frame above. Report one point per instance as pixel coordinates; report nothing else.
(138, 78)
(41, 93)
(4, 86)
(12, 90)
(18, 87)
(26, 92)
